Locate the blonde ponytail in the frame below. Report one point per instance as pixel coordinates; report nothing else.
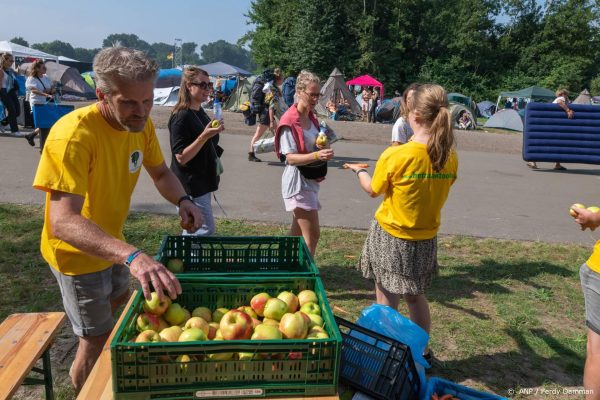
(430, 102)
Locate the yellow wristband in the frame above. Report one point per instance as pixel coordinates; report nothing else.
(316, 155)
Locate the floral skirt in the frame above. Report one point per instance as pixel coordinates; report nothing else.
(400, 266)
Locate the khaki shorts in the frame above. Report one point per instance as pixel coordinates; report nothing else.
(87, 297)
(590, 285)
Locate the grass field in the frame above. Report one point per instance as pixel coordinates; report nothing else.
(506, 314)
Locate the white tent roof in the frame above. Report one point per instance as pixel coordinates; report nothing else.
(21, 51)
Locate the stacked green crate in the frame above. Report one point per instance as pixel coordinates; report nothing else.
(228, 272)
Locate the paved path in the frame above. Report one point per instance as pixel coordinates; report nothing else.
(496, 195)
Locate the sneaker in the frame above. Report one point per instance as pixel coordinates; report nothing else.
(30, 139)
(252, 157)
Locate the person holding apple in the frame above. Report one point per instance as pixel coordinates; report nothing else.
(400, 251)
(89, 168)
(589, 275)
(306, 162)
(195, 145)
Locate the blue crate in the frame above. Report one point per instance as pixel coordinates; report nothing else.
(46, 115)
(442, 387)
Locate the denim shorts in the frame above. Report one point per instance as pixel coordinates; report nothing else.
(87, 297)
(590, 285)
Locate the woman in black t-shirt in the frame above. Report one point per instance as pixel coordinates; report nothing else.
(195, 145)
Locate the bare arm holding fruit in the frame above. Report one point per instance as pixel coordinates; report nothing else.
(192, 150)
(305, 159)
(71, 227)
(170, 188)
(363, 177)
(585, 217)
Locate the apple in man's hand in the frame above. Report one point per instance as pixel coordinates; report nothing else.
(155, 305)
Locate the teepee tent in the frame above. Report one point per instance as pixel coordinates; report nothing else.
(336, 90)
(506, 119)
(584, 98)
(240, 94)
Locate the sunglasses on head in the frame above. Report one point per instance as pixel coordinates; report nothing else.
(201, 85)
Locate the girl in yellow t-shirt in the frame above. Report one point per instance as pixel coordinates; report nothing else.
(400, 252)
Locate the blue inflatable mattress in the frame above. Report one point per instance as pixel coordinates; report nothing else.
(550, 136)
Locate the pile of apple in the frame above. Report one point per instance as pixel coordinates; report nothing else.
(573, 213)
(286, 316)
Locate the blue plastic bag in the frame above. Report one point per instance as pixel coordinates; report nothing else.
(389, 322)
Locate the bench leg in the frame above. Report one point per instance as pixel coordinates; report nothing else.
(47, 372)
(48, 375)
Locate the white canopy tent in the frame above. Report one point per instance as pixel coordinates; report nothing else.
(24, 52)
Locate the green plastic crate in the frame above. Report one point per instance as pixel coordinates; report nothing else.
(241, 255)
(281, 368)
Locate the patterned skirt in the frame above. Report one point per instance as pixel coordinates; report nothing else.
(400, 266)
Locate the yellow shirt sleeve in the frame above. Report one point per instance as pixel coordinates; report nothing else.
(381, 176)
(153, 156)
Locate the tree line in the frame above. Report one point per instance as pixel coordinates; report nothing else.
(161, 52)
(476, 47)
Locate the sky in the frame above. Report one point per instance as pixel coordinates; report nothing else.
(86, 24)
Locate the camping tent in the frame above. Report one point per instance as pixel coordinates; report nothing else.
(388, 111)
(486, 108)
(506, 119)
(335, 90)
(166, 96)
(584, 97)
(533, 93)
(24, 52)
(168, 78)
(80, 66)
(72, 83)
(88, 77)
(367, 80)
(455, 111)
(462, 99)
(222, 69)
(240, 94)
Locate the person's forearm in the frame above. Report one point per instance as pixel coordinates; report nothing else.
(365, 183)
(191, 151)
(85, 235)
(169, 186)
(301, 159)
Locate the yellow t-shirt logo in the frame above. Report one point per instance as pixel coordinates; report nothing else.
(135, 161)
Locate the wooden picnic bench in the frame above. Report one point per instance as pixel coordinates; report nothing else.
(98, 386)
(24, 339)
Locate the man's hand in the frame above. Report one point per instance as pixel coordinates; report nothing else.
(191, 217)
(147, 270)
(586, 218)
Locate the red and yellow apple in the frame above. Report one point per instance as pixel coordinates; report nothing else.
(147, 321)
(197, 322)
(315, 320)
(258, 303)
(269, 321)
(192, 334)
(155, 305)
(236, 325)
(290, 299)
(573, 212)
(266, 332)
(275, 308)
(248, 310)
(148, 336)
(293, 326)
(213, 327)
(202, 312)
(307, 296)
(171, 334)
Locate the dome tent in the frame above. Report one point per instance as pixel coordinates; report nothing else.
(506, 119)
(72, 82)
(456, 110)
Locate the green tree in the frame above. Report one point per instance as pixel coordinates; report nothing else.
(19, 40)
(129, 40)
(56, 47)
(189, 54)
(228, 53)
(85, 55)
(595, 86)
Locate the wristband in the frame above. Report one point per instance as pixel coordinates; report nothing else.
(358, 171)
(132, 257)
(316, 155)
(182, 198)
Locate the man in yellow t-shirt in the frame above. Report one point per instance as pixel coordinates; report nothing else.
(89, 167)
(589, 274)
